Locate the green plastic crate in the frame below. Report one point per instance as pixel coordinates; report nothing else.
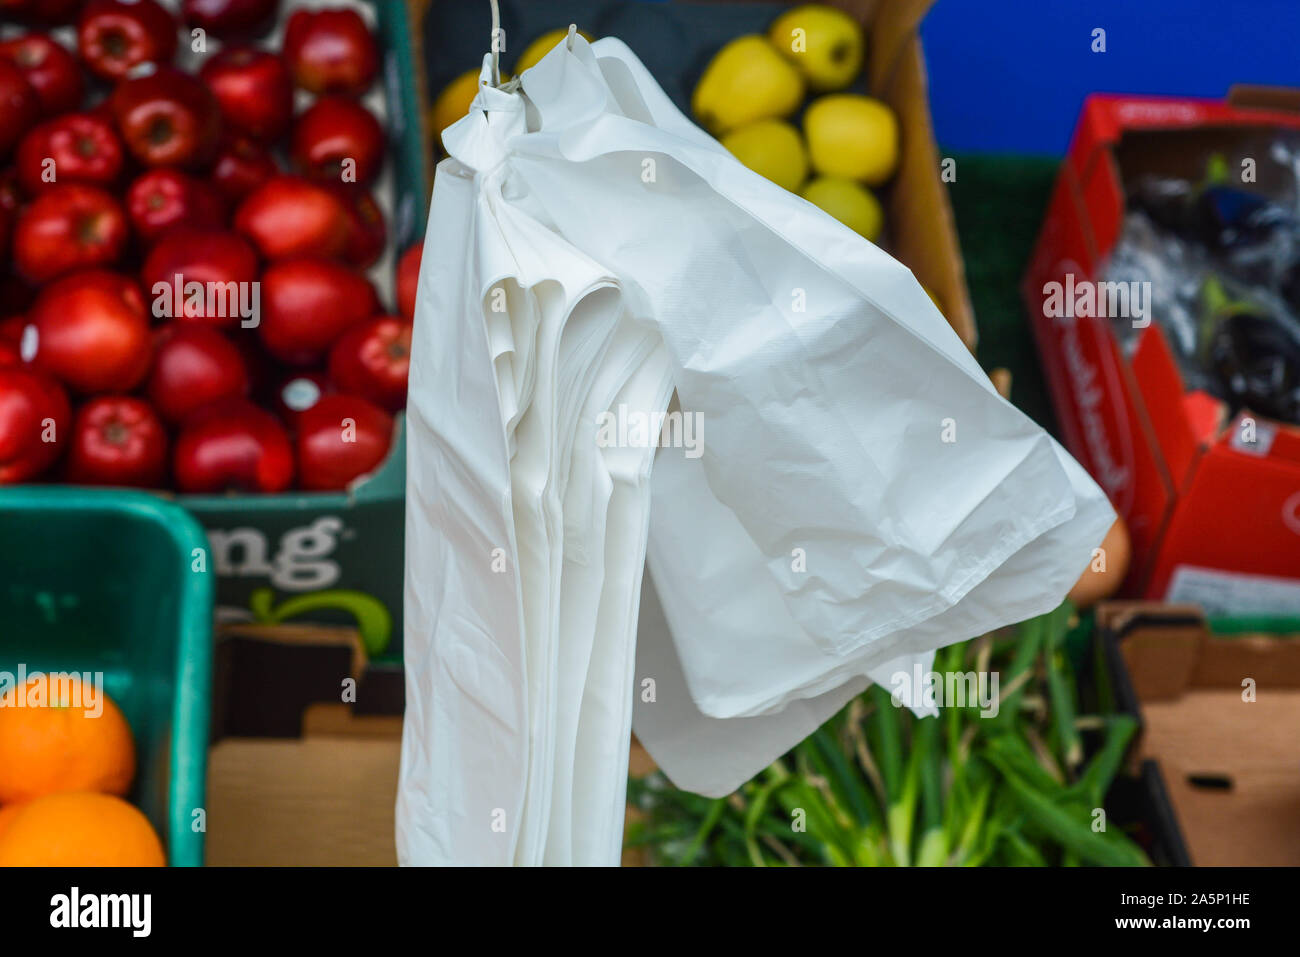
(98, 580)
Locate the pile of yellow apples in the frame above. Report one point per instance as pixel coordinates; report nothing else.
(848, 142)
(748, 94)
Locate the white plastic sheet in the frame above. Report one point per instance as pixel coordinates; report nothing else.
(859, 497)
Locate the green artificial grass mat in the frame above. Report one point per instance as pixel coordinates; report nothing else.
(999, 201)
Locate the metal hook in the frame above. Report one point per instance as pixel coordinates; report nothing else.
(496, 43)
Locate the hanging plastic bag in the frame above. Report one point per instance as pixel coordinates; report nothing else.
(859, 496)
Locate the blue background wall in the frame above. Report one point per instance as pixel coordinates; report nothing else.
(1010, 75)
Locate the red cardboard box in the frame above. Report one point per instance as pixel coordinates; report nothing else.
(1213, 507)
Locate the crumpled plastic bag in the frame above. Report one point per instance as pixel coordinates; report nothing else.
(860, 495)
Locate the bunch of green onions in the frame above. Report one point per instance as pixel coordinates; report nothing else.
(876, 786)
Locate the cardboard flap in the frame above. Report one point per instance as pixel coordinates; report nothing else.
(1272, 661)
(1161, 661)
(919, 196)
(1119, 616)
(894, 25)
(1265, 97)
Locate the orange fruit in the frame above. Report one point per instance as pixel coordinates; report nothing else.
(79, 829)
(52, 739)
(6, 816)
(1106, 569)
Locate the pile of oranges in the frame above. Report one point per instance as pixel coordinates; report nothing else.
(64, 768)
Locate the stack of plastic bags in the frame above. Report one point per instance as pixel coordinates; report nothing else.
(858, 495)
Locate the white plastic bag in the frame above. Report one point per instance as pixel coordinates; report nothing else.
(862, 495)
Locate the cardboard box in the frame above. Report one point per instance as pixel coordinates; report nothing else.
(1214, 517)
(676, 40)
(326, 799)
(323, 800)
(306, 750)
(1219, 716)
(298, 776)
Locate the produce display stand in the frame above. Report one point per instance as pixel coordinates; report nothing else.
(276, 753)
(113, 582)
(240, 718)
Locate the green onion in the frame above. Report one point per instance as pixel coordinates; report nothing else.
(1068, 826)
(888, 742)
(710, 821)
(1101, 770)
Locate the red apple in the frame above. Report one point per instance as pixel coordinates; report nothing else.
(341, 438)
(253, 91)
(194, 365)
(241, 166)
(372, 360)
(230, 18)
(167, 118)
(408, 278)
(290, 216)
(160, 199)
(232, 444)
(331, 51)
(11, 350)
(338, 139)
(91, 332)
(307, 304)
(367, 232)
(11, 340)
(34, 422)
(49, 68)
(11, 328)
(117, 440)
(221, 262)
(68, 227)
(114, 36)
(19, 106)
(74, 148)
